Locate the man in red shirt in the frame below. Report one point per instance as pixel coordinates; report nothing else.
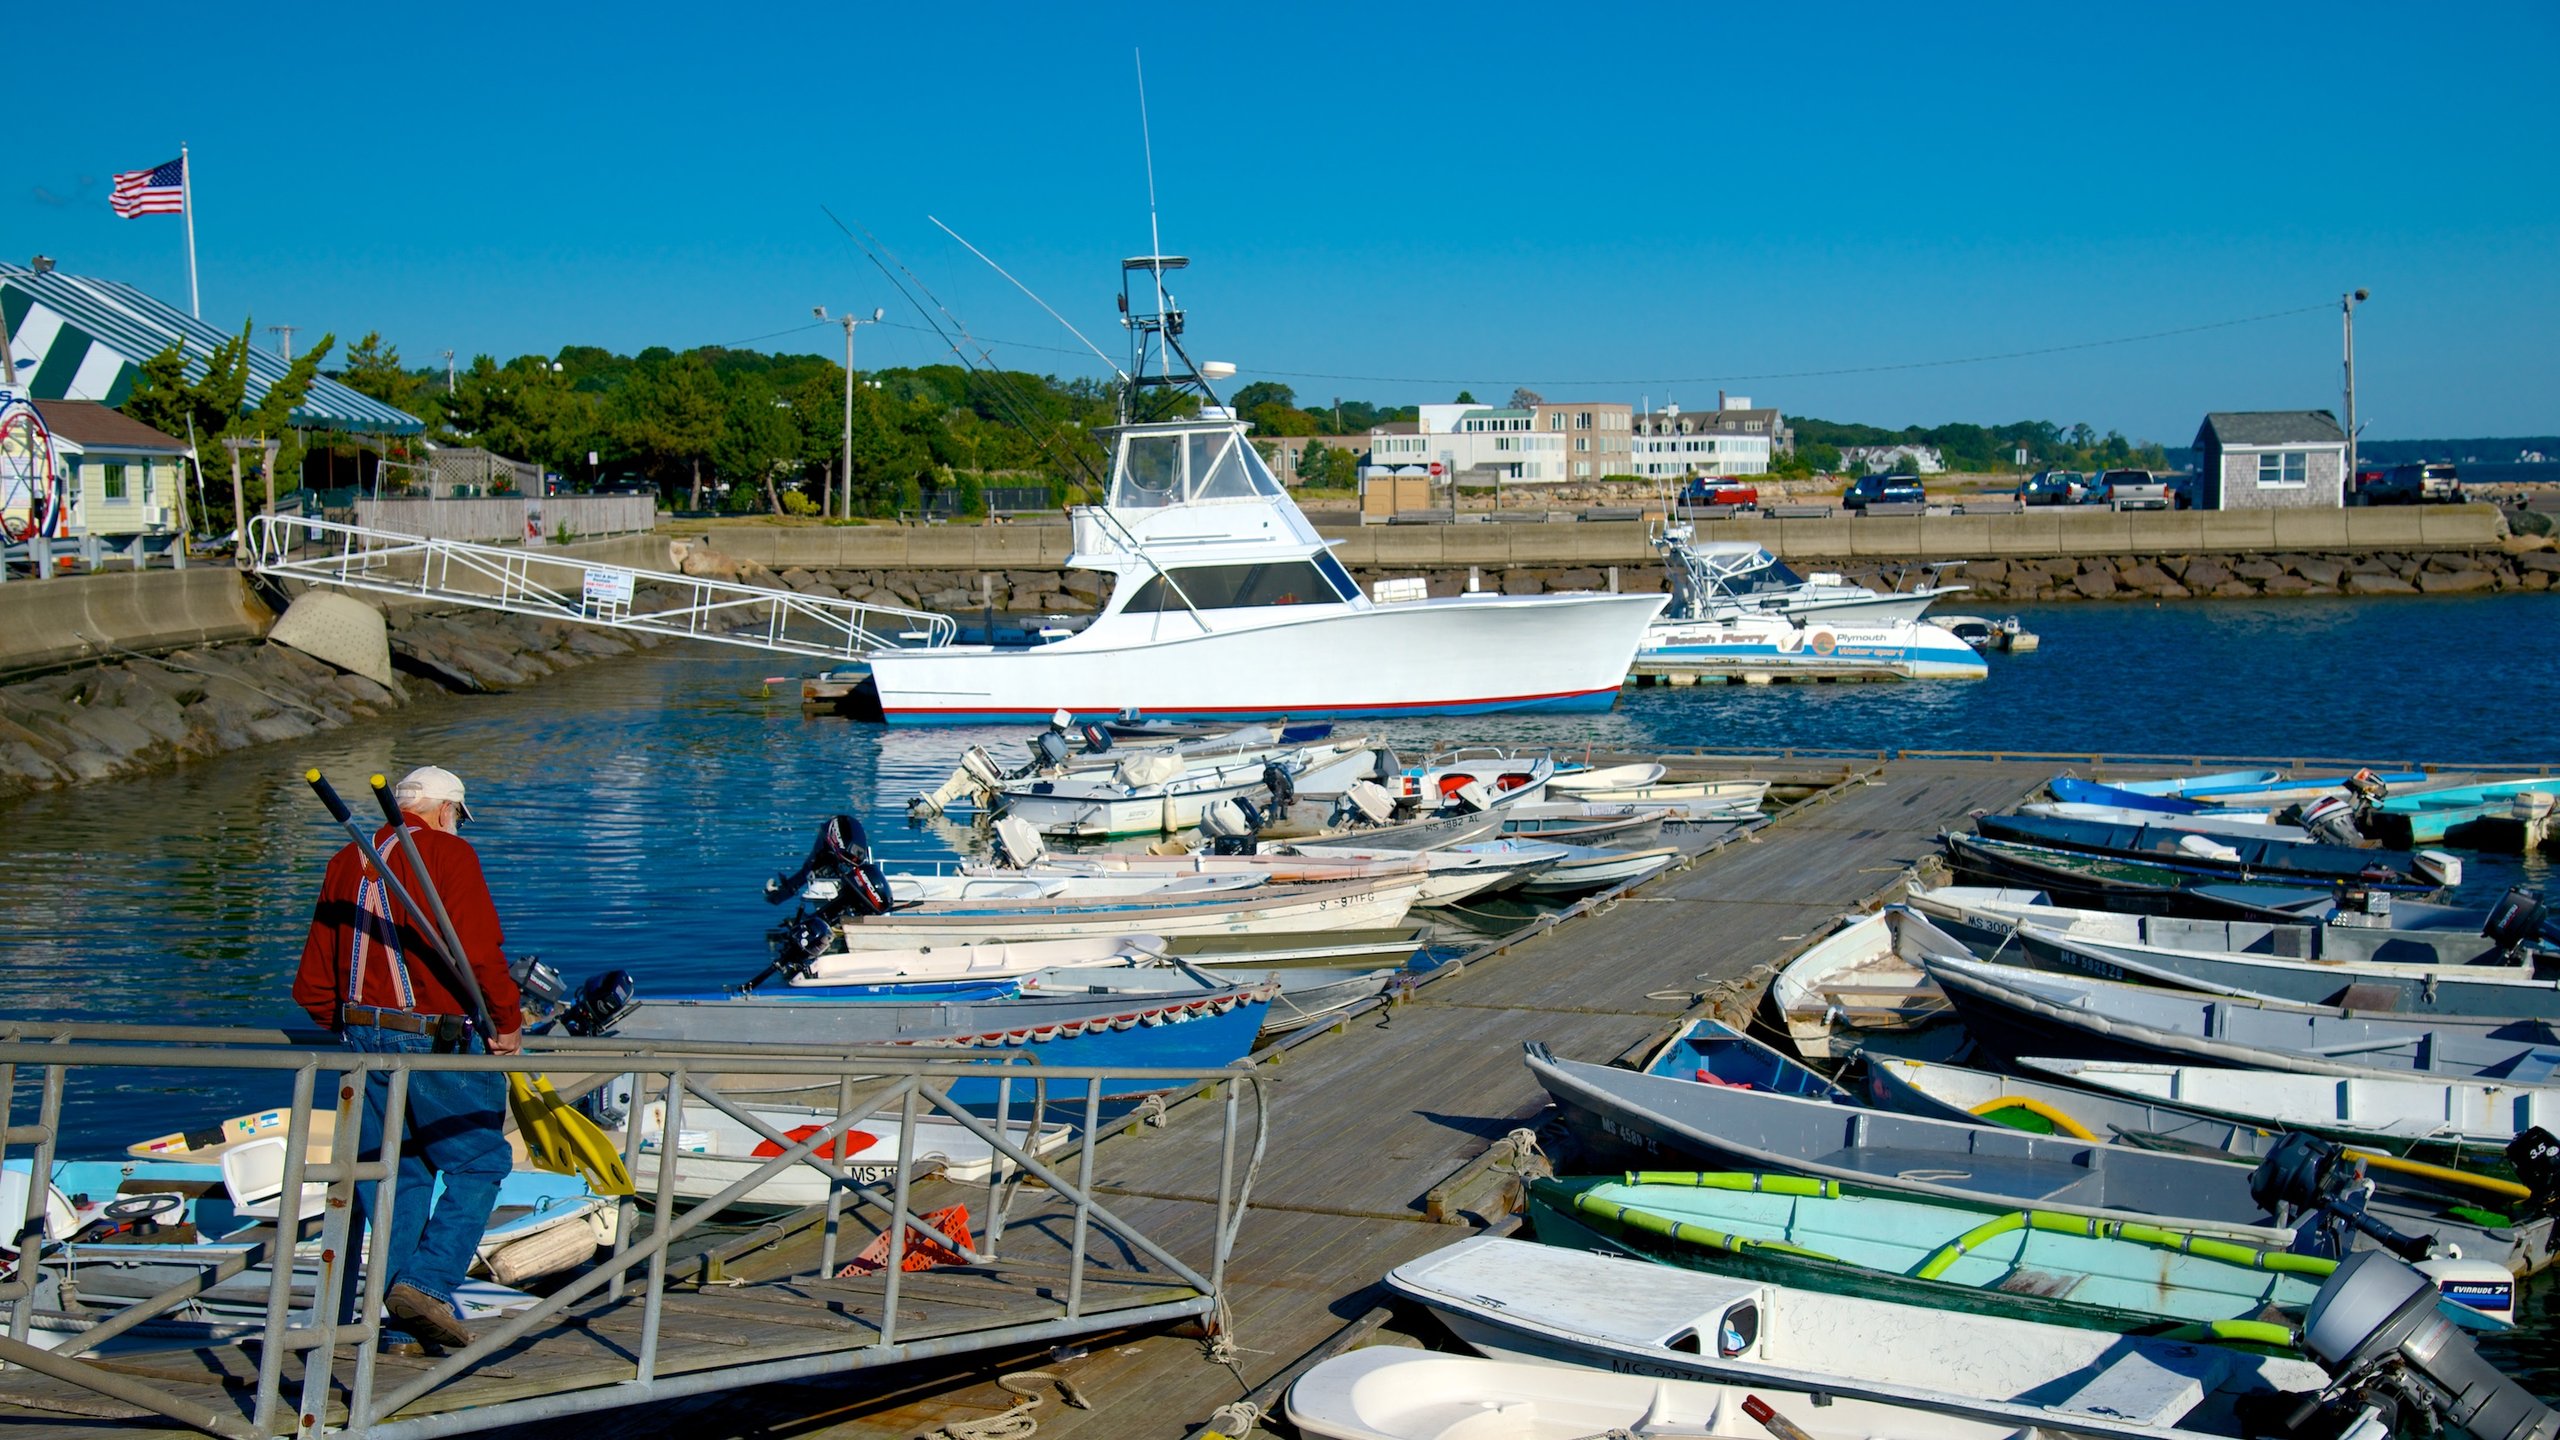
(370, 974)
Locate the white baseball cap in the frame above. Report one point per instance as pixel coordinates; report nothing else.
(431, 783)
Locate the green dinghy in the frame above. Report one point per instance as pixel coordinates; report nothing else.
(2059, 1269)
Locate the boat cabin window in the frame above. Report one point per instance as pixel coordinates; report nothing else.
(1774, 575)
(1198, 465)
(1239, 587)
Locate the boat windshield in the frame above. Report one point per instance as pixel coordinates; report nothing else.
(1244, 587)
(1188, 466)
(1772, 574)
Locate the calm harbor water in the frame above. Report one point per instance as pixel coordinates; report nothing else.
(630, 811)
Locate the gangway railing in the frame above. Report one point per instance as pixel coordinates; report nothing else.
(1041, 1128)
(523, 580)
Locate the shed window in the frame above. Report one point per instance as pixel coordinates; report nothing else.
(1241, 587)
(2284, 467)
(114, 482)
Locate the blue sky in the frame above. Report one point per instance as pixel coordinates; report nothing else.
(1626, 203)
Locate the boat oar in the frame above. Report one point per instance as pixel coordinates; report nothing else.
(455, 955)
(2440, 1174)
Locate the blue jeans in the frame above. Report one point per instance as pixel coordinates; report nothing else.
(456, 1134)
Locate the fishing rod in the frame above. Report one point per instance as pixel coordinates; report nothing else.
(456, 963)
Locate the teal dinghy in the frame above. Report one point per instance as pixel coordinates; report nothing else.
(2484, 816)
(2059, 1269)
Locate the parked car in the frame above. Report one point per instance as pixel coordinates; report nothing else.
(2135, 490)
(1882, 489)
(1717, 490)
(2422, 483)
(2055, 487)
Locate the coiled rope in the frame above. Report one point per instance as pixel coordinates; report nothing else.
(1015, 1423)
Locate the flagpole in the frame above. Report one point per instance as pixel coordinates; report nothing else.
(187, 202)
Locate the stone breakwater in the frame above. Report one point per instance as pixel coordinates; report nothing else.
(139, 714)
(2129, 577)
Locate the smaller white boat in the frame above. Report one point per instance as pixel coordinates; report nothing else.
(915, 888)
(1391, 1393)
(1586, 868)
(988, 960)
(1587, 822)
(1986, 635)
(1607, 777)
(1470, 783)
(1149, 794)
(1694, 800)
(1768, 645)
(2258, 824)
(1861, 979)
(1462, 872)
(714, 1151)
(2481, 1116)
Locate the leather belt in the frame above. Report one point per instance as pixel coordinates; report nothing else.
(406, 1022)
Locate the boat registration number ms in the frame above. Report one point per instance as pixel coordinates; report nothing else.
(1629, 1135)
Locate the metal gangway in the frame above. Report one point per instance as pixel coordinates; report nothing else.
(653, 1315)
(524, 580)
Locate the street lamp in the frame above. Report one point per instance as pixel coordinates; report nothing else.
(848, 322)
(2347, 304)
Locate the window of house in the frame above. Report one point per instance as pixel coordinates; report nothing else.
(2284, 467)
(115, 480)
(1581, 469)
(1582, 443)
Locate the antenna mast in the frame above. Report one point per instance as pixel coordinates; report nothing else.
(1147, 147)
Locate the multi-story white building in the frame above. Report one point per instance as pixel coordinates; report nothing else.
(1670, 444)
(1476, 444)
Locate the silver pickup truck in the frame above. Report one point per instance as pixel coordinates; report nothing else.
(2135, 490)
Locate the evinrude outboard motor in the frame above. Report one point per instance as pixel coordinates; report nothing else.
(2315, 1178)
(601, 1001)
(2374, 1326)
(839, 863)
(2332, 820)
(1277, 783)
(544, 991)
(1097, 740)
(1230, 826)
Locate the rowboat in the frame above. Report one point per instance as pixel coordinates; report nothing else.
(2463, 812)
(1200, 1032)
(1517, 1301)
(1570, 822)
(1480, 782)
(1653, 1117)
(2220, 782)
(1459, 872)
(1585, 868)
(2478, 1117)
(2295, 789)
(1606, 777)
(1392, 946)
(922, 887)
(1334, 905)
(2032, 1012)
(2230, 857)
(1861, 979)
(714, 1150)
(2072, 789)
(1965, 1259)
(2249, 824)
(1954, 1092)
(1694, 797)
(2507, 990)
(1986, 919)
(964, 964)
(1387, 1392)
(2075, 877)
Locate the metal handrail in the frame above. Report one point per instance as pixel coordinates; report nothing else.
(914, 1084)
(501, 577)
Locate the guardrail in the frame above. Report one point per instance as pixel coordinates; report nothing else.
(555, 586)
(68, 1060)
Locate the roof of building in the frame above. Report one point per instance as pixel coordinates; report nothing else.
(1495, 412)
(2271, 427)
(93, 426)
(1397, 427)
(78, 337)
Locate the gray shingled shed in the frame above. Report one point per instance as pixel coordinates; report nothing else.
(2271, 460)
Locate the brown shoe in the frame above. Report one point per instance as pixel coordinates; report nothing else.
(426, 1317)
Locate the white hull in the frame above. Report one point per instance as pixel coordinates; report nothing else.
(1351, 905)
(1464, 654)
(2480, 1113)
(1758, 644)
(714, 1151)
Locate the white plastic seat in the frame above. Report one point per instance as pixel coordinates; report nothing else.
(254, 1174)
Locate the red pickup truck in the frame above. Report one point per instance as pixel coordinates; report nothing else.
(1715, 490)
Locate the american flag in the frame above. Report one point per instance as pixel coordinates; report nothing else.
(160, 190)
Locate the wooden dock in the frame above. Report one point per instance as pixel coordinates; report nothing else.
(1388, 1139)
(1386, 1134)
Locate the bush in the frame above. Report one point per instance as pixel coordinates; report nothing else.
(794, 502)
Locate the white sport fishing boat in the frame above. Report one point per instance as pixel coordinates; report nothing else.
(1707, 632)
(1725, 577)
(1226, 603)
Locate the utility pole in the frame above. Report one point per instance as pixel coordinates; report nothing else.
(448, 372)
(848, 322)
(2347, 307)
(284, 340)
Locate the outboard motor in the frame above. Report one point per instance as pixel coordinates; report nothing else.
(545, 992)
(601, 1001)
(1230, 826)
(2374, 1326)
(2367, 789)
(978, 778)
(842, 855)
(1018, 844)
(2516, 920)
(1097, 740)
(1470, 799)
(2313, 1177)
(1277, 783)
(2535, 1154)
(2331, 820)
(1362, 803)
(1049, 750)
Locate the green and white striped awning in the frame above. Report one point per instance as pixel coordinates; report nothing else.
(76, 337)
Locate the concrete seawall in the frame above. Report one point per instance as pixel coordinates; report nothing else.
(2036, 534)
